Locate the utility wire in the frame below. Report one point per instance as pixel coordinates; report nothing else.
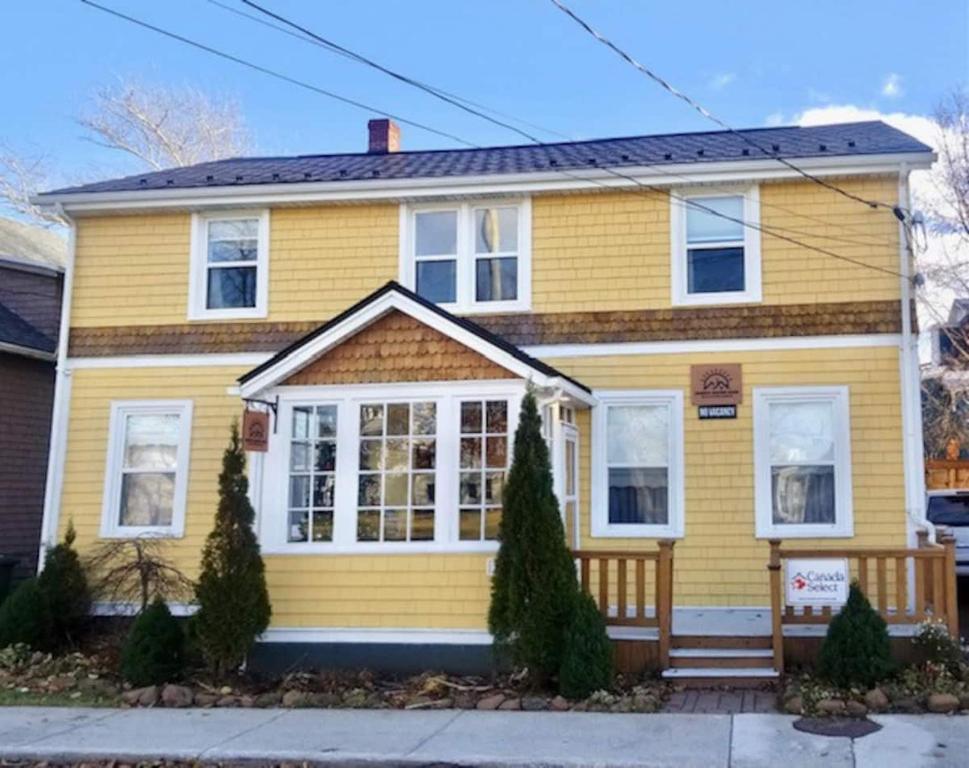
(277, 75)
(692, 203)
(628, 58)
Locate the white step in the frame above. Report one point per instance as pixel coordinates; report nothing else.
(691, 672)
(722, 653)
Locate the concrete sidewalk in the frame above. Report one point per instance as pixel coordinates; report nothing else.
(470, 738)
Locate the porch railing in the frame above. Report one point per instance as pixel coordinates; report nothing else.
(928, 571)
(632, 588)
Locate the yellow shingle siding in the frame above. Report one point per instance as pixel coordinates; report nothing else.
(591, 251)
(719, 561)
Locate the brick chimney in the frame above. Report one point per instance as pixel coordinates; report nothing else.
(384, 136)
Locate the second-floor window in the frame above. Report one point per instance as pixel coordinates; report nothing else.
(715, 253)
(229, 263)
(470, 256)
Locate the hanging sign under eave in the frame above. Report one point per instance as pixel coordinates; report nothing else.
(255, 430)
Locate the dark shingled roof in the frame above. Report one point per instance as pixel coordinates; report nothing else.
(18, 332)
(791, 142)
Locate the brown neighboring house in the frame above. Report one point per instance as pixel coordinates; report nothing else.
(31, 281)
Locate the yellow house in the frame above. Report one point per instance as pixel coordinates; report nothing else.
(716, 326)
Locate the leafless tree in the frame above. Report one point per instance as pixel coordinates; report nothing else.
(20, 179)
(135, 571)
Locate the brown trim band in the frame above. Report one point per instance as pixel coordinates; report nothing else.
(761, 321)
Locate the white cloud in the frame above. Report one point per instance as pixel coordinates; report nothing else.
(721, 80)
(892, 87)
(774, 119)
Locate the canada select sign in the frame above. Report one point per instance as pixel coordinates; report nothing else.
(817, 581)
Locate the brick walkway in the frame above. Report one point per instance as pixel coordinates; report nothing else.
(707, 702)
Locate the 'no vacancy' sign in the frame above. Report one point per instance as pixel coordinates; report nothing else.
(817, 581)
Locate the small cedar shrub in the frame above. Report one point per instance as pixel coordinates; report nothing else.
(154, 651)
(25, 617)
(587, 655)
(856, 650)
(66, 590)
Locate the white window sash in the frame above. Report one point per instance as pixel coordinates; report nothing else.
(199, 266)
(673, 401)
(115, 470)
(838, 398)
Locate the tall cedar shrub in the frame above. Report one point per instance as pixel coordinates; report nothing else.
(534, 585)
(587, 655)
(25, 617)
(66, 591)
(856, 651)
(154, 651)
(231, 590)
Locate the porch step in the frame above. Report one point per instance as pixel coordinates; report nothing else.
(721, 658)
(708, 677)
(735, 642)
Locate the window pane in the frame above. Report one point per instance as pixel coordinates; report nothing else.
(497, 417)
(492, 523)
(368, 525)
(705, 227)
(496, 279)
(424, 451)
(395, 490)
(470, 488)
(422, 490)
(369, 491)
(437, 281)
(470, 452)
(301, 422)
(496, 230)
(322, 526)
(233, 250)
(325, 456)
(422, 525)
(803, 494)
(436, 233)
(234, 229)
(496, 452)
(801, 432)
(326, 421)
(299, 490)
(398, 418)
(424, 418)
(371, 452)
(147, 498)
(299, 525)
(638, 435)
(397, 455)
(469, 525)
(470, 418)
(151, 441)
(494, 485)
(395, 525)
(715, 270)
(231, 287)
(323, 488)
(371, 419)
(638, 496)
(299, 457)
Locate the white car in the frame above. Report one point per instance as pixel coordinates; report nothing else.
(951, 509)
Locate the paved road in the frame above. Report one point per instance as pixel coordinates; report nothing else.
(470, 738)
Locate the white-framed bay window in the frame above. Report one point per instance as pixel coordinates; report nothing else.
(715, 258)
(388, 468)
(468, 257)
(802, 462)
(637, 463)
(229, 265)
(146, 470)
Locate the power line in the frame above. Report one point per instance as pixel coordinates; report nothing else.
(618, 174)
(628, 58)
(277, 75)
(307, 37)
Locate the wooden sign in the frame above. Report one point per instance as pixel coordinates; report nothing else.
(255, 431)
(716, 384)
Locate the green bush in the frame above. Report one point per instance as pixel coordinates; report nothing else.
(66, 590)
(534, 586)
(587, 655)
(154, 651)
(937, 646)
(856, 651)
(25, 617)
(231, 591)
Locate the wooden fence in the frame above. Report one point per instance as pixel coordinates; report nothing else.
(929, 570)
(943, 474)
(618, 582)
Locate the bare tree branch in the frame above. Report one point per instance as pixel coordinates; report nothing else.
(135, 571)
(20, 179)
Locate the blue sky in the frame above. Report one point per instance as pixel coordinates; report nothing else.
(750, 62)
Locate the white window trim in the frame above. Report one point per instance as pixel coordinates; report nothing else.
(843, 527)
(679, 273)
(110, 508)
(601, 527)
(273, 506)
(198, 267)
(465, 268)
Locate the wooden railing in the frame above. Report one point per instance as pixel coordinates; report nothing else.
(943, 474)
(619, 582)
(929, 571)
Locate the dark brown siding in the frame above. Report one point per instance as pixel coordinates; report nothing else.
(26, 398)
(35, 295)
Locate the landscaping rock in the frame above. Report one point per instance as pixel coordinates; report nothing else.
(295, 699)
(491, 702)
(141, 697)
(325, 700)
(355, 699)
(906, 705)
(464, 700)
(534, 703)
(876, 700)
(206, 699)
(794, 705)
(942, 703)
(964, 701)
(559, 704)
(176, 696)
(61, 683)
(248, 702)
(511, 704)
(229, 702)
(830, 707)
(856, 708)
(265, 700)
(98, 687)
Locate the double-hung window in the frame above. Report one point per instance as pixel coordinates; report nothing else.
(469, 257)
(147, 468)
(312, 473)
(229, 265)
(715, 247)
(802, 461)
(637, 486)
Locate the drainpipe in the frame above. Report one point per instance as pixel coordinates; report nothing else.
(62, 396)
